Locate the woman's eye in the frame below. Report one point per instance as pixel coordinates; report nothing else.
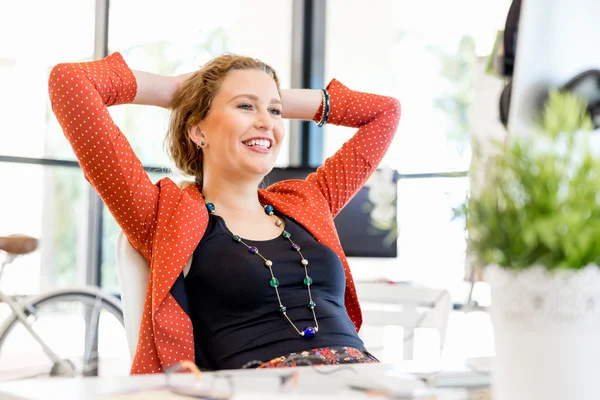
(245, 106)
(275, 111)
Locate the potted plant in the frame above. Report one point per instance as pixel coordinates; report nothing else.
(533, 224)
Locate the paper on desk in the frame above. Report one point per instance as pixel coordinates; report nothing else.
(159, 394)
(450, 394)
(163, 394)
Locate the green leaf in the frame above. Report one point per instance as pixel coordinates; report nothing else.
(540, 201)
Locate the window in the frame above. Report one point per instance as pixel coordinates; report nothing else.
(425, 54)
(33, 197)
(33, 202)
(28, 125)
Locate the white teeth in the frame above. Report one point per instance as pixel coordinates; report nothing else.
(258, 143)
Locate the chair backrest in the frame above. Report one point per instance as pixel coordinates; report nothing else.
(402, 304)
(133, 273)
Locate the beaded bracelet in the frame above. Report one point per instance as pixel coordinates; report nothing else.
(326, 108)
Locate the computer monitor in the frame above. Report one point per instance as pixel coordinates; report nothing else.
(355, 226)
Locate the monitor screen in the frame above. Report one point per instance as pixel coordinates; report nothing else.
(368, 225)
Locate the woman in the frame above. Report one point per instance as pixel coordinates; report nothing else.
(268, 277)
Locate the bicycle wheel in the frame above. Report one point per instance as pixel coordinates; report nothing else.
(82, 326)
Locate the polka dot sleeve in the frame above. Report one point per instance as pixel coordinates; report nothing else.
(80, 94)
(377, 118)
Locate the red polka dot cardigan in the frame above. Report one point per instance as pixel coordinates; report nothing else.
(165, 222)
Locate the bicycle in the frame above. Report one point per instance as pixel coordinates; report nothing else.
(42, 317)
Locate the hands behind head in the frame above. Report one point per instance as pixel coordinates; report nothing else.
(179, 79)
(175, 83)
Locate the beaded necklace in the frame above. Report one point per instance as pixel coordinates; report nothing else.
(309, 331)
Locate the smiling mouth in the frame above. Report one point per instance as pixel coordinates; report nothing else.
(260, 143)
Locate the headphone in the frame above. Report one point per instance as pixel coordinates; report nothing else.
(586, 84)
(510, 54)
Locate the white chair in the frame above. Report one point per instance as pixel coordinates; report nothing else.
(405, 305)
(133, 273)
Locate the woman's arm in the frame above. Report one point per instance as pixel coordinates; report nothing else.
(300, 103)
(156, 90)
(80, 94)
(376, 117)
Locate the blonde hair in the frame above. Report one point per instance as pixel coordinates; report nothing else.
(192, 102)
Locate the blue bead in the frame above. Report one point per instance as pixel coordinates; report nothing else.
(252, 250)
(211, 207)
(309, 332)
(269, 209)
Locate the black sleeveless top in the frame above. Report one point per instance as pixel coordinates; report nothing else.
(235, 312)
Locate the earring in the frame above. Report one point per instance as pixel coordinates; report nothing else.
(202, 143)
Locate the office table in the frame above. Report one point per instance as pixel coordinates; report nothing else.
(326, 382)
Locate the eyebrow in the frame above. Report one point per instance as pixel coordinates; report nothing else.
(255, 98)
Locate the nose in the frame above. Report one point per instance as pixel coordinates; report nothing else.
(264, 120)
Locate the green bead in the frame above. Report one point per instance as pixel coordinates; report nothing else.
(274, 282)
(308, 281)
(311, 305)
(286, 234)
(282, 309)
(236, 238)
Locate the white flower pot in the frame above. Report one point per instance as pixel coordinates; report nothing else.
(547, 333)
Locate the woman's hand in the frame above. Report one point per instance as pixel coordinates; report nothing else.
(179, 79)
(157, 90)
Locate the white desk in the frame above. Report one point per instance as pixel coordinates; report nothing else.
(249, 384)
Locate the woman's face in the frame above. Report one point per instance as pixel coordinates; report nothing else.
(243, 130)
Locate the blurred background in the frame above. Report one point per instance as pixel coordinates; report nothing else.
(429, 54)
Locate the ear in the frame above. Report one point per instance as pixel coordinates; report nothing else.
(195, 133)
